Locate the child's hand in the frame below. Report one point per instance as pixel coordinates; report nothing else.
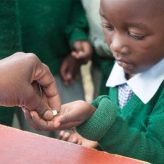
(21, 77)
(69, 69)
(74, 137)
(70, 136)
(74, 113)
(70, 115)
(82, 50)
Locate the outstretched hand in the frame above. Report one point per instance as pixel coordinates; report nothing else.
(21, 76)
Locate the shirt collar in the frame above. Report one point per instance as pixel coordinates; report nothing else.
(144, 84)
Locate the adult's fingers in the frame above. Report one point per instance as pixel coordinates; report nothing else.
(41, 123)
(48, 88)
(48, 84)
(29, 118)
(35, 102)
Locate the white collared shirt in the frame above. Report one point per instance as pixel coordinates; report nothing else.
(144, 84)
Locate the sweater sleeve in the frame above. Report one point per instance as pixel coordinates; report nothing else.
(118, 135)
(77, 28)
(102, 119)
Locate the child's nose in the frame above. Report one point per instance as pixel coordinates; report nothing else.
(118, 44)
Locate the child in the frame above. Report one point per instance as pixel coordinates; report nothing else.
(130, 120)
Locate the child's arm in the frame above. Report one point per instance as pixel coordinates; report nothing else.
(138, 134)
(77, 33)
(133, 135)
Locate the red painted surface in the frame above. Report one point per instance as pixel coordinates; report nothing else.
(20, 147)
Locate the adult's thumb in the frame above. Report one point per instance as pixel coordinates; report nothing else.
(36, 102)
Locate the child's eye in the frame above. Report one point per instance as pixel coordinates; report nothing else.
(108, 27)
(136, 36)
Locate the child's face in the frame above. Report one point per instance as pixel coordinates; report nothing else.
(134, 31)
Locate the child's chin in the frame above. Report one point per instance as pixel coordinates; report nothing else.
(129, 73)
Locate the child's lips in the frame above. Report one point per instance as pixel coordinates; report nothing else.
(125, 64)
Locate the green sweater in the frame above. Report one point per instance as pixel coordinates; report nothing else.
(136, 131)
(10, 40)
(45, 27)
(49, 27)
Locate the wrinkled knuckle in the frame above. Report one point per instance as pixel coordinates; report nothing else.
(32, 57)
(46, 67)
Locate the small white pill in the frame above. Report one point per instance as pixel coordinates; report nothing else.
(55, 112)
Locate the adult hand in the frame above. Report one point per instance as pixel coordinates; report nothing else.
(82, 50)
(69, 69)
(21, 74)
